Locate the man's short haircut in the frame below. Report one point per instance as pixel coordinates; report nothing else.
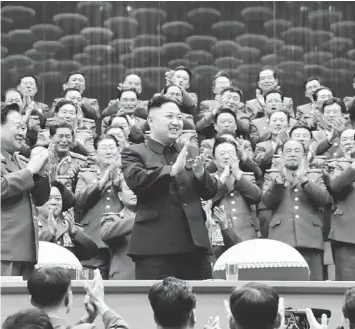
(26, 76)
(315, 94)
(232, 89)
(254, 305)
(300, 126)
(106, 137)
(281, 111)
(274, 91)
(219, 75)
(266, 68)
(63, 102)
(221, 111)
(121, 92)
(60, 124)
(166, 88)
(73, 73)
(172, 301)
(7, 91)
(109, 123)
(224, 138)
(28, 319)
(48, 286)
(311, 79)
(337, 101)
(70, 89)
(186, 69)
(115, 126)
(349, 307)
(6, 110)
(159, 101)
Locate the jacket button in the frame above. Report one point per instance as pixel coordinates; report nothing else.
(232, 194)
(234, 217)
(108, 198)
(107, 207)
(171, 162)
(234, 209)
(297, 216)
(296, 199)
(232, 202)
(185, 204)
(296, 207)
(295, 190)
(181, 187)
(109, 190)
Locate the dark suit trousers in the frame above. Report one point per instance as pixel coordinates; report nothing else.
(190, 266)
(100, 261)
(344, 260)
(23, 269)
(314, 259)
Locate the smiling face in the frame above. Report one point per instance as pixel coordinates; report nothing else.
(175, 92)
(55, 201)
(76, 81)
(224, 152)
(278, 121)
(107, 152)
(165, 123)
(267, 80)
(14, 96)
(347, 141)
(128, 102)
(293, 152)
(74, 96)
(232, 99)
(13, 132)
(63, 141)
(28, 86)
(68, 113)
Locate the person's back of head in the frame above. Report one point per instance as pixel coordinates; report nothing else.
(349, 308)
(173, 303)
(28, 319)
(255, 306)
(50, 287)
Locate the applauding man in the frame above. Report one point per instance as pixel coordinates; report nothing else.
(169, 237)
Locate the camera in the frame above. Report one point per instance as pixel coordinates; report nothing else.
(297, 319)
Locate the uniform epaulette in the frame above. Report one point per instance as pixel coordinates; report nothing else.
(77, 156)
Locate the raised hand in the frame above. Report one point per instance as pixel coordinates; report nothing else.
(234, 165)
(313, 323)
(198, 166)
(221, 215)
(225, 174)
(260, 97)
(280, 166)
(38, 159)
(302, 171)
(241, 148)
(282, 137)
(213, 323)
(105, 178)
(52, 223)
(169, 77)
(180, 162)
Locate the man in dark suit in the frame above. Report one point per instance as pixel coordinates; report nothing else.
(169, 236)
(23, 182)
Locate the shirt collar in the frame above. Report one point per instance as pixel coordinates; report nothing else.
(158, 147)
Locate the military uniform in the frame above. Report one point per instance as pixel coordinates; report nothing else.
(330, 150)
(92, 204)
(20, 192)
(342, 231)
(296, 219)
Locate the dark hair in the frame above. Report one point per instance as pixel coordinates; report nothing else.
(172, 301)
(70, 89)
(337, 101)
(254, 306)
(219, 75)
(116, 116)
(224, 138)
(26, 76)
(166, 88)
(266, 68)
(8, 90)
(48, 286)
(274, 91)
(68, 198)
(75, 72)
(311, 79)
(300, 126)
(315, 94)
(186, 69)
(61, 103)
(104, 137)
(349, 306)
(28, 319)
(120, 92)
(113, 127)
(282, 111)
(6, 110)
(232, 89)
(61, 124)
(159, 101)
(221, 111)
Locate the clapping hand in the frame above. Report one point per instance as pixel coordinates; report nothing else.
(221, 215)
(198, 166)
(213, 323)
(225, 174)
(337, 127)
(241, 148)
(169, 77)
(260, 97)
(313, 323)
(280, 166)
(282, 138)
(234, 165)
(52, 223)
(180, 162)
(302, 171)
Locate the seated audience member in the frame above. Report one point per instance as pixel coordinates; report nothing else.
(128, 102)
(230, 98)
(64, 165)
(305, 113)
(238, 191)
(57, 225)
(295, 194)
(119, 132)
(348, 310)
(254, 306)
(130, 81)
(349, 100)
(96, 194)
(266, 81)
(273, 103)
(50, 290)
(28, 319)
(320, 95)
(27, 86)
(115, 232)
(24, 184)
(342, 187)
(173, 303)
(89, 106)
(333, 111)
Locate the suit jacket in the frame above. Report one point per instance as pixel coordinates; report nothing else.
(110, 319)
(169, 218)
(92, 203)
(342, 184)
(303, 109)
(255, 110)
(116, 234)
(330, 151)
(237, 202)
(20, 192)
(141, 111)
(296, 219)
